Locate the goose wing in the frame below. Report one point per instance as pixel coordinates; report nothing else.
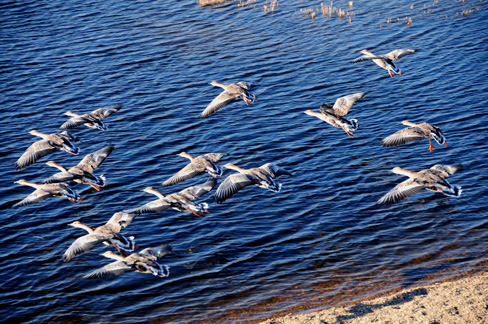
(403, 190)
(231, 185)
(154, 206)
(403, 136)
(121, 219)
(399, 53)
(194, 192)
(220, 101)
(35, 197)
(157, 252)
(274, 170)
(111, 269)
(366, 57)
(102, 113)
(214, 157)
(59, 177)
(445, 170)
(74, 122)
(83, 244)
(245, 85)
(188, 172)
(33, 153)
(326, 108)
(93, 160)
(344, 104)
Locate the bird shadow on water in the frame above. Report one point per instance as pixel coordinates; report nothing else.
(361, 309)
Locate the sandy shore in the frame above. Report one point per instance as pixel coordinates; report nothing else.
(461, 301)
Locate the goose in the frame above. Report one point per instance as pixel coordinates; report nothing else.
(432, 179)
(44, 191)
(107, 234)
(231, 92)
(333, 114)
(415, 132)
(83, 171)
(181, 201)
(196, 166)
(92, 119)
(385, 61)
(262, 176)
(49, 143)
(144, 262)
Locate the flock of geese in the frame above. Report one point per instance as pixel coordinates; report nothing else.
(61, 184)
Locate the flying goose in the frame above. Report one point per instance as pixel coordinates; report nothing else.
(49, 143)
(415, 132)
(44, 191)
(196, 166)
(231, 92)
(432, 179)
(107, 234)
(181, 201)
(333, 114)
(262, 176)
(83, 171)
(144, 262)
(92, 119)
(385, 61)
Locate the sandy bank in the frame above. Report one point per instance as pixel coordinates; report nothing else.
(461, 301)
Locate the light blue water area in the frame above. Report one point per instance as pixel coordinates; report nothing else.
(323, 237)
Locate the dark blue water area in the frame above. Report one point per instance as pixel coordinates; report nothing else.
(322, 239)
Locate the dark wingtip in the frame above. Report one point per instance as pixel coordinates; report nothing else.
(218, 200)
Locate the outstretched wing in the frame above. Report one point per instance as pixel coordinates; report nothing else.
(59, 177)
(403, 136)
(37, 196)
(214, 157)
(74, 122)
(111, 269)
(326, 108)
(446, 170)
(121, 219)
(399, 53)
(83, 244)
(154, 206)
(220, 101)
(33, 153)
(93, 160)
(188, 172)
(197, 191)
(231, 185)
(344, 104)
(366, 57)
(157, 252)
(102, 113)
(274, 170)
(401, 191)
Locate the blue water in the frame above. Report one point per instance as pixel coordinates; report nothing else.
(322, 240)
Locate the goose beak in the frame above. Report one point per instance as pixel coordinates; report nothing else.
(97, 188)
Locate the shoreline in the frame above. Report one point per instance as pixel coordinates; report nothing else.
(461, 300)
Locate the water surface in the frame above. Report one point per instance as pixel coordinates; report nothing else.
(319, 242)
